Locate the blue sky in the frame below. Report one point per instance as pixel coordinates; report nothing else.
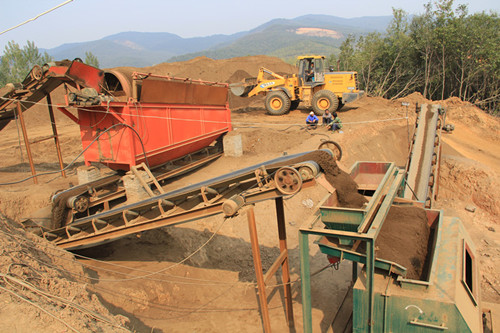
(85, 20)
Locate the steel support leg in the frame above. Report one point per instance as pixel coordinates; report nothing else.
(26, 142)
(370, 274)
(285, 269)
(257, 261)
(305, 275)
(56, 136)
(354, 272)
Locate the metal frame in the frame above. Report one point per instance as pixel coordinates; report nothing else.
(282, 261)
(179, 206)
(367, 232)
(431, 190)
(28, 144)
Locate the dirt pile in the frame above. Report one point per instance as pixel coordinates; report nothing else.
(225, 70)
(404, 238)
(347, 189)
(220, 70)
(414, 98)
(472, 117)
(469, 183)
(44, 288)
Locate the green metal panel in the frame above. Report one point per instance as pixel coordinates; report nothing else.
(402, 314)
(342, 215)
(385, 265)
(350, 219)
(305, 282)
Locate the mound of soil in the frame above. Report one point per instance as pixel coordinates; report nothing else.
(238, 76)
(404, 239)
(43, 288)
(225, 70)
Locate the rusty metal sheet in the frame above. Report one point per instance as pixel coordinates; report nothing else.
(156, 90)
(86, 75)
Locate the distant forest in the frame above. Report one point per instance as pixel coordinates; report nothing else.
(442, 53)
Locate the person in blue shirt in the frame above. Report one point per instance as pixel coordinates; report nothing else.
(312, 121)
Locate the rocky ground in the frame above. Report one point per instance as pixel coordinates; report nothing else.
(136, 283)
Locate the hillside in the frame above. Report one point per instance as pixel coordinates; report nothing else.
(284, 38)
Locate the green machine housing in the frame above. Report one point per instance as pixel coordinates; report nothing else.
(381, 298)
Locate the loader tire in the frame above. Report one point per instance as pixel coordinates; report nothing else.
(277, 103)
(324, 100)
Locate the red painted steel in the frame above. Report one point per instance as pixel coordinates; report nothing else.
(85, 75)
(168, 131)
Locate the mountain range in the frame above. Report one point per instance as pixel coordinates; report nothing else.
(284, 38)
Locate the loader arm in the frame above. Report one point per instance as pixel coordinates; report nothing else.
(263, 85)
(262, 71)
(254, 86)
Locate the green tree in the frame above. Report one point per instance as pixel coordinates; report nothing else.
(91, 59)
(442, 53)
(16, 62)
(421, 31)
(347, 51)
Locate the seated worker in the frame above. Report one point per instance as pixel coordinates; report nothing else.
(336, 124)
(327, 118)
(310, 73)
(312, 121)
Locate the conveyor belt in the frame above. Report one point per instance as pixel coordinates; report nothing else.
(423, 162)
(252, 184)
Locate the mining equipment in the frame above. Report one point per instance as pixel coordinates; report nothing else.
(383, 297)
(315, 85)
(128, 121)
(442, 292)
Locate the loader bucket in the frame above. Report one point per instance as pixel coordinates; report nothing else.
(241, 89)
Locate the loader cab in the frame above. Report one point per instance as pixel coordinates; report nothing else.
(311, 69)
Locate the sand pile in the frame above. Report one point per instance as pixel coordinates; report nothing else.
(44, 288)
(404, 239)
(225, 70)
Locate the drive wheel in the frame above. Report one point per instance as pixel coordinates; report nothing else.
(277, 103)
(324, 100)
(288, 180)
(334, 147)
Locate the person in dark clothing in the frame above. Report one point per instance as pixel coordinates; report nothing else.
(312, 121)
(327, 118)
(310, 73)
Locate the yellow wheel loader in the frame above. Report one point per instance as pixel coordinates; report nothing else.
(314, 86)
